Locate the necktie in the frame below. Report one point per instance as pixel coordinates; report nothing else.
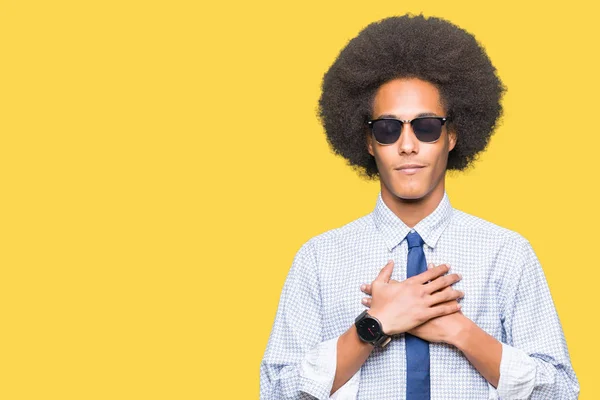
(417, 350)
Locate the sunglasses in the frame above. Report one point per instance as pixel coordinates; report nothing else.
(426, 129)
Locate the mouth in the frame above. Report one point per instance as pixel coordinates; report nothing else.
(410, 169)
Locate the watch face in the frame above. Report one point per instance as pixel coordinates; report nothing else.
(368, 329)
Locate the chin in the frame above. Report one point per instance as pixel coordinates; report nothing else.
(410, 193)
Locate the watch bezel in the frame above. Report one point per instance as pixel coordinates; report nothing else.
(381, 339)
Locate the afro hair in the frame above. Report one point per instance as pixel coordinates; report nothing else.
(431, 49)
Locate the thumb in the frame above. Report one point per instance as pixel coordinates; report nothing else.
(386, 272)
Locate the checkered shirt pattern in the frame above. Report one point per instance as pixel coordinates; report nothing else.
(506, 295)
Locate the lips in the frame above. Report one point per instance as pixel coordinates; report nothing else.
(410, 169)
(410, 166)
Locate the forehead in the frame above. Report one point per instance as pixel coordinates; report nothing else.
(407, 98)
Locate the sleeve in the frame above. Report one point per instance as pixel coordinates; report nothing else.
(535, 361)
(298, 363)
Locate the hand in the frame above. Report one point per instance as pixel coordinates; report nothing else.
(438, 329)
(402, 306)
(442, 329)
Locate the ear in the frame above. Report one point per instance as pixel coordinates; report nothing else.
(452, 137)
(369, 143)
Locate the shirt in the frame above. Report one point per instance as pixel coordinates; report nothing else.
(506, 295)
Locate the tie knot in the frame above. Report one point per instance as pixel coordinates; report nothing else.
(414, 240)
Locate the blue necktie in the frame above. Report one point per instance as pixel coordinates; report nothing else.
(417, 350)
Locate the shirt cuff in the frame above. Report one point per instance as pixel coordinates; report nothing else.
(517, 375)
(317, 372)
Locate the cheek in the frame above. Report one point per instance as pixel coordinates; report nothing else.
(385, 156)
(438, 155)
(437, 162)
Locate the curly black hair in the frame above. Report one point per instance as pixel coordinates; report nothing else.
(408, 46)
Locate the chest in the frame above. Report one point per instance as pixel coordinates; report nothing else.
(342, 274)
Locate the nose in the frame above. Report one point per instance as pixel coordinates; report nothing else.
(408, 142)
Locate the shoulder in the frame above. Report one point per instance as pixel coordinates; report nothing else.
(483, 229)
(338, 239)
(345, 234)
(314, 252)
(512, 253)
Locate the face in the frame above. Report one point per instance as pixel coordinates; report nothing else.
(406, 99)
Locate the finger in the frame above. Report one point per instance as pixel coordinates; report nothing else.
(446, 308)
(445, 295)
(429, 266)
(442, 282)
(366, 288)
(431, 274)
(386, 272)
(366, 301)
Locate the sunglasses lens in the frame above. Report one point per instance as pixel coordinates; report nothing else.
(387, 131)
(427, 129)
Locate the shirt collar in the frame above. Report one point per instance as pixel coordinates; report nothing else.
(394, 230)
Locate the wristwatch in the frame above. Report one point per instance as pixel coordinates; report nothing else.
(369, 330)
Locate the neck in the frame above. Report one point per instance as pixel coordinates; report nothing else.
(411, 211)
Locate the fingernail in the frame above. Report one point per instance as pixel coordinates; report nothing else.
(389, 261)
(364, 301)
(362, 287)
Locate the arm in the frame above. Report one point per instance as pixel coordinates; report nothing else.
(298, 363)
(482, 350)
(351, 355)
(399, 306)
(532, 362)
(535, 359)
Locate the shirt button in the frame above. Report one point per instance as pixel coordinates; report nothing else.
(412, 231)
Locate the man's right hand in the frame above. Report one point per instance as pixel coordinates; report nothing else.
(401, 306)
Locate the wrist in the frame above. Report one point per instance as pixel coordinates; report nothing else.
(353, 334)
(385, 326)
(370, 330)
(460, 336)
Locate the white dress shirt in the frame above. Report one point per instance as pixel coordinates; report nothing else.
(506, 295)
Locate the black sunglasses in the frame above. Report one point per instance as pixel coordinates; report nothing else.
(426, 129)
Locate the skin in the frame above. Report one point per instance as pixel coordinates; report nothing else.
(411, 197)
(427, 310)
(482, 350)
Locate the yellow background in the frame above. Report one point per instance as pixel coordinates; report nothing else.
(161, 164)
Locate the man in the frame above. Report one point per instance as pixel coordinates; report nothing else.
(462, 309)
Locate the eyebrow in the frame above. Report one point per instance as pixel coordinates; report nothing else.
(425, 114)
